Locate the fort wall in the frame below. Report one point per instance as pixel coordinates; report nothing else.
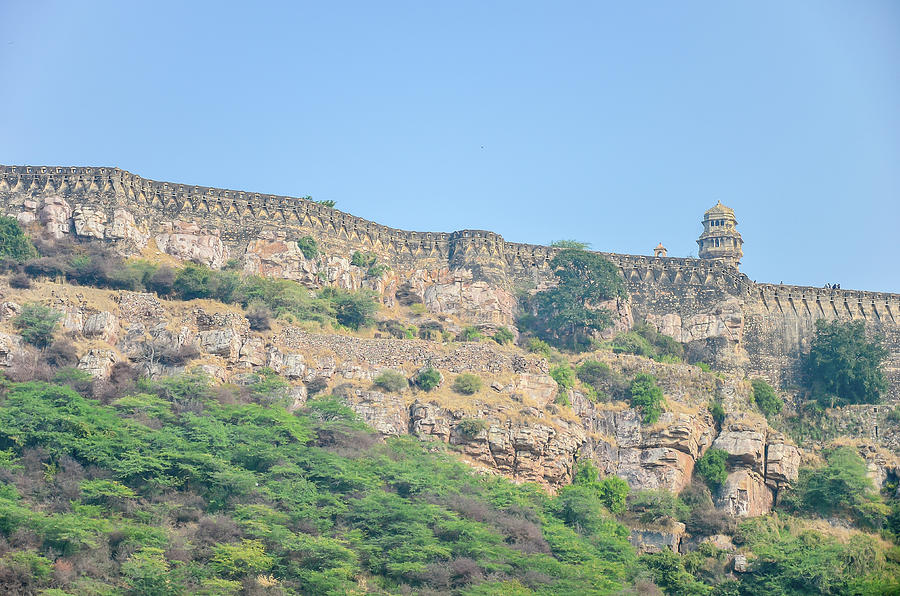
(717, 311)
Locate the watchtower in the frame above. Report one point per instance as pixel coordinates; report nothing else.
(720, 240)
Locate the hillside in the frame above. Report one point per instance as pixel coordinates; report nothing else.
(309, 416)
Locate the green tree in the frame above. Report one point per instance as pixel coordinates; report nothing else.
(765, 397)
(392, 381)
(841, 486)
(564, 376)
(13, 241)
(36, 324)
(467, 384)
(568, 314)
(711, 467)
(570, 244)
(192, 281)
(646, 395)
(428, 378)
(308, 246)
(843, 367)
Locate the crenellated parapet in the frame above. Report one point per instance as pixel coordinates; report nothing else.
(830, 303)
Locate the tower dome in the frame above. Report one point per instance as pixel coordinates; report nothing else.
(720, 240)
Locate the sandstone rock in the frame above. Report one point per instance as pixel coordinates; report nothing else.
(54, 215)
(782, 461)
(689, 434)
(253, 352)
(429, 420)
(10, 345)
(388, 414)
(743, 436)
(103, 325)
(744, 494)
(98, 362)
(123, 227)
(292, 366)
(473, 300)
(221, 342)
(189, 242)
(72, 319)
(740, 563)
(280, 258)
(8, 310)
(657, 540)
(89, 222)
(655, 467)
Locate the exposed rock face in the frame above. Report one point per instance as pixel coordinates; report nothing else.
(10, 345)
(782, 461)
(103, 325)
(98, 362)
(745, 494)
(189, 242)
(280, 258)
(657, 540)
(743, 436)
(388, 414)
(661, 456)
(54, 215)
(471, 299)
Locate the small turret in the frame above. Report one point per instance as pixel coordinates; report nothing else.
(660, 250)
(720, 240)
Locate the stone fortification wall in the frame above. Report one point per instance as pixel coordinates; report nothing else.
(719, 313)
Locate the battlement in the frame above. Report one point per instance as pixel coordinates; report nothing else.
(114, 186)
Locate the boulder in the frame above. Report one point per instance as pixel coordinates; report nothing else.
(104, 325)
(292, 366)
(54, 215)
(782, 461)
(98, 362)
(189, 242)
(744, 494)
(743, 436)
(89, 222)
(657, 540)
(388, 414)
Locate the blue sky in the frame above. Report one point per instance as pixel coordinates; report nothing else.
(613, 123)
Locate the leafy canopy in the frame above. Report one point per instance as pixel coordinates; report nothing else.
(569, 313)
(843, 367)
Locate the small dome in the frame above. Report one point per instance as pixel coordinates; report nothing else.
(660, 246)
(719, 209)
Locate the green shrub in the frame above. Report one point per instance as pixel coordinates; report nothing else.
(363, 259)
(841, 487)
(593, 373)
(36, 324)
(417, 308)
(538, 346)
(308, 246)
(428, 378)
(192, 281)
(352, 309)
(377, 270)
(327, 203)
(843, 367)
(703, 366)
(717, 412)
(503, 336)
(613, 492)
(467, 384)
(646, 395)
(391, 380)
(14, 244)
(470, 334)
(470, 427)
(711, 467)
(656, 506)
(564, 376)
(632, 343)
(766, 399)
